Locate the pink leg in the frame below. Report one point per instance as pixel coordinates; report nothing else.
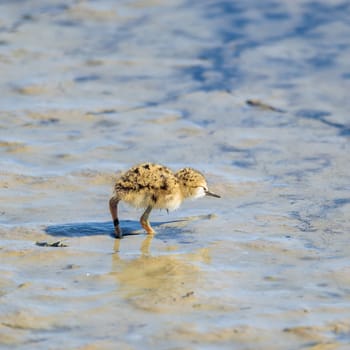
(113, 208)
(145, 221)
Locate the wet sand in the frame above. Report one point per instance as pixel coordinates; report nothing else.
(254, 95)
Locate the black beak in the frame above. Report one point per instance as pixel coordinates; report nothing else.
(211, 194)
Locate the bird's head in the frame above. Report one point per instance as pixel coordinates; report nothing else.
(193, 184)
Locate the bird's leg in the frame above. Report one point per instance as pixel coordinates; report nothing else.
(145, 222)
(113, 208)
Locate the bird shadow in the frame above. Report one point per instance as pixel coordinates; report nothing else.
(82, 229)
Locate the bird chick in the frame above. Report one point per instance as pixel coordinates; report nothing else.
(151, 186)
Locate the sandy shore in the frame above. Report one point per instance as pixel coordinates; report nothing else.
(253, 95)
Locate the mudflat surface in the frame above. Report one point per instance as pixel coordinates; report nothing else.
(255, 95)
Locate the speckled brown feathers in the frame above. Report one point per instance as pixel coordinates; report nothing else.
(151, 186)
(148, 184)
(145, 176)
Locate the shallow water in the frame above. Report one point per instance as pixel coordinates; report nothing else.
(255, 95)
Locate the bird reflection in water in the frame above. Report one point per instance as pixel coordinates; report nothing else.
(157, 283)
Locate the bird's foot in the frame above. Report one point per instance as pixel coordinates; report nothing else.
(118, 232)
(146, 225)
